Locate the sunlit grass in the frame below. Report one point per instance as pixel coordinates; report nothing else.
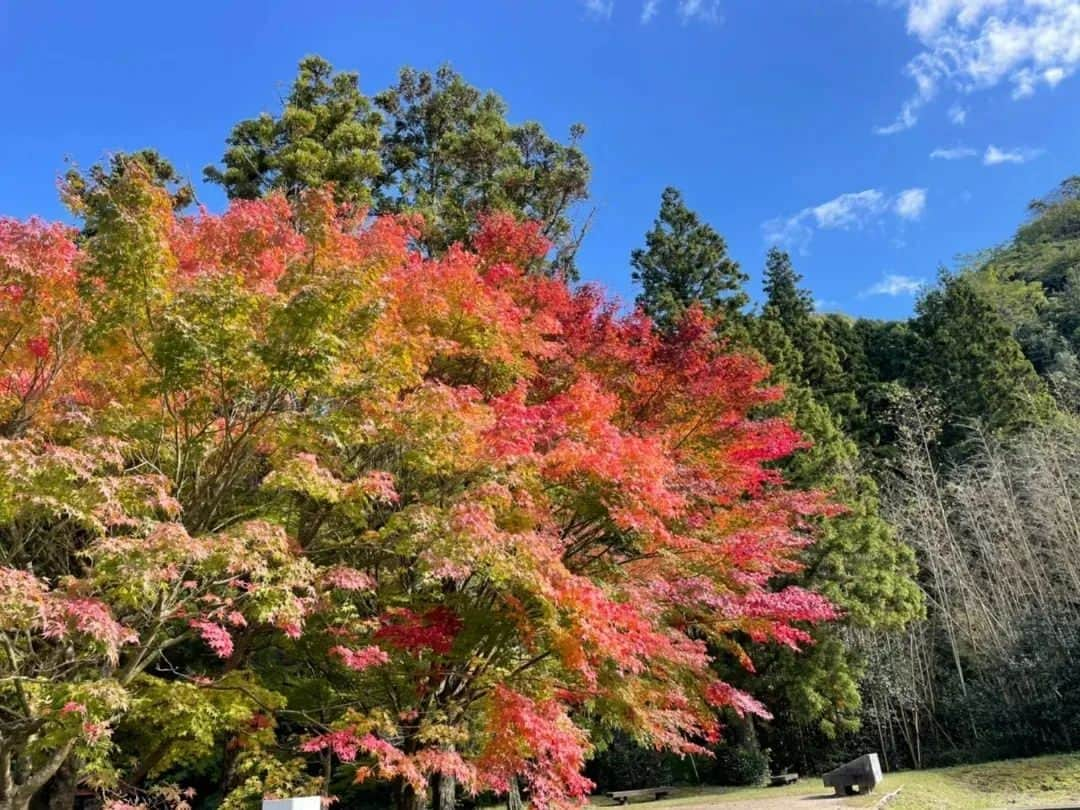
(1009, 783)
(1014, 783)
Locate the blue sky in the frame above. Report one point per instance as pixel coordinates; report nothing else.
(811, 122)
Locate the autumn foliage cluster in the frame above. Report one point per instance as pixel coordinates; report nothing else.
(285, 501)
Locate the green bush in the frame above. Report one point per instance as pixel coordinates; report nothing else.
(738, 764)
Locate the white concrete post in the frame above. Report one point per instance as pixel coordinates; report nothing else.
(298, 803)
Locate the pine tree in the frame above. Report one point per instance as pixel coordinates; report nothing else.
(790, 304)
(685, 261)
(432, 144)
(820, 361)
(966, 354)
(326, 133)
(857, 559)
(450, 153)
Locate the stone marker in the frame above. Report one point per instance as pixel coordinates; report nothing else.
(863, 773)
(298, 803)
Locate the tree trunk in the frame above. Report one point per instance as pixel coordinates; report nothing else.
(513, 796)
(61, 790)
(443, 792)
(18, 795)
(406, 797)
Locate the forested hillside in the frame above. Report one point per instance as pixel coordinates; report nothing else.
(952, 440)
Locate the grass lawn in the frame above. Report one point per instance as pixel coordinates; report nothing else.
(1010, 783)
(1016, 783)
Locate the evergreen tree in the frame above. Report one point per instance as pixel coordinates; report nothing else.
(820, 362)
(880, 356)
(326, 133)
(966, 353)
(790, 304)
(684, 262)
(857, 561)
(450, 153)
(432, 144)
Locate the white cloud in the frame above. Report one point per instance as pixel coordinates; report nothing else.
(907, 118)
(994, 156)
(953, 153)
(705, 11)
(600, 8)
(991, 157)
(1023, 83)
(894, 285)
(848, 210)
(700, 10)
(972, 45)
(853, 210)
(958, 114)
(1052, 76)
(910, 203)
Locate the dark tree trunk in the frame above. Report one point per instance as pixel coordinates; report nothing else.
(61, 790)
(406, 797)
(443, 792)
(513, 796)
(21, 795)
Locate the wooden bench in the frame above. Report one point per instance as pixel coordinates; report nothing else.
(862, 774)
(778, 779)
(624, 796)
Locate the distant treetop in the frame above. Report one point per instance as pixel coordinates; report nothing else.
(431, 144)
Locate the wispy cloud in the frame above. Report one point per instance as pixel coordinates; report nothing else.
(971, 45)
(704, 11)
(894, 285)
(848, 210)
(953, 153)
(994, 156)
(910, 203)
(851, 211)
(699, 10)
(957, 114)
(600, 8)
(905, 119)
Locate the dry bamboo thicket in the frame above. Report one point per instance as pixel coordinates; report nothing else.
(992, 669)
